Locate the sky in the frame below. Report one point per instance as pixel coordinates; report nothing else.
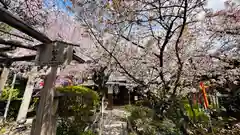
(60, 4)
(218, 4)
(214, 4)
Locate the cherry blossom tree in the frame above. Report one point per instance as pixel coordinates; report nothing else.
(166, 47)
(223, 30)
(154, 44)
(142, 37)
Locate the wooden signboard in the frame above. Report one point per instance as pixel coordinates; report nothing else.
(50, 54)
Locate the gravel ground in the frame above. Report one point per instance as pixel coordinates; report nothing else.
(10, 129)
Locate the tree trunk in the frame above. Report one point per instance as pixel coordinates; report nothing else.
(110, 97)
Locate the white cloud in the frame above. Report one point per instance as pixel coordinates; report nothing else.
(216, 4)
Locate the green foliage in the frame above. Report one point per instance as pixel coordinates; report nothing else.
(16, 97)
(15, 101)
(6, 93)
(88, 133)
(83, 92)
(76, 110)
(143, 122)
(13, 109)
(143, 102)
(135, 113)
(3, 130)
(200, 115)
(202, 121)
(140, 118)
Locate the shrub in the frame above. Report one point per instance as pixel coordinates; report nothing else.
(6, 93)
(76, 110)
(15, 101)
(200, 115)
(142, 122)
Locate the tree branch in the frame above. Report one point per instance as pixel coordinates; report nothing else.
(177, 49)
(120, 65)
(5, 5)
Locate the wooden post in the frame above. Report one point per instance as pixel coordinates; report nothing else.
(212, 100)
(22, 114)
(54, 111)
(129, 96)
(10, 97)
(216, 100)
(110, 96)
(101, 123)
(44, 120)
(53, 55)
(3, 79)
(129, 88)
(54, 116)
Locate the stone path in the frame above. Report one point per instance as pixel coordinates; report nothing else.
(113, 124)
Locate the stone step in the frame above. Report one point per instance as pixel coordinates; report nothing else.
(116, 124)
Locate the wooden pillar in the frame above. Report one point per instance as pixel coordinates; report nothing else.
(54, 110)
(22, 114)
(44, 120)
(213, 101)
(216, 100)
(51, 54)
(129, 96)
(3, 79)
(129, 90)
(54, 116)
(110, 96)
